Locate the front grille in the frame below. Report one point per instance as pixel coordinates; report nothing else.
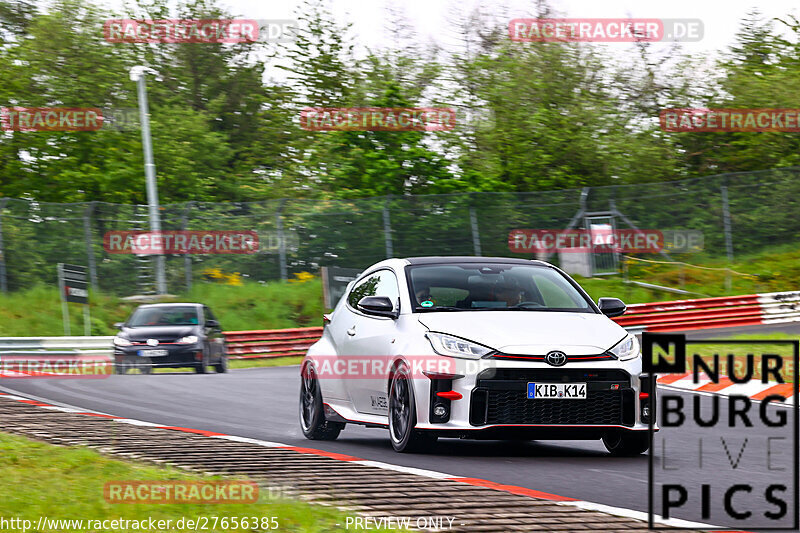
(540, 358)
(513, 407)
(553, 375)
(500, 397)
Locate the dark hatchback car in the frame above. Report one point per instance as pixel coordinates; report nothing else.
(170, 335)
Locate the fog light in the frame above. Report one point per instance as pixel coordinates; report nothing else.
(439, 410)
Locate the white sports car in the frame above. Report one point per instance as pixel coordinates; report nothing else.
(475, 347)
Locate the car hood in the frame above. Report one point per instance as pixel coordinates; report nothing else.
(160, 333)
(529, 332)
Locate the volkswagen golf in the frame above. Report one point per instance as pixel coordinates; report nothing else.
(468, 347)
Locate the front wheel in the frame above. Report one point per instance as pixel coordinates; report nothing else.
(222, 366)
(312, 417)
(121, 365)
(403, 416)
(627, 445)
(202, 366)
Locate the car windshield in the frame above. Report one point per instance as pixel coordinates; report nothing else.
(163, 316)
(493, 286)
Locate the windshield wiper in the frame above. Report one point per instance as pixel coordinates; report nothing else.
(525, 307)
(441, 308)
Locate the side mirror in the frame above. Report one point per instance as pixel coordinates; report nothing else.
(212, 324)
(377, 306)
(611, 306)
(119, 325)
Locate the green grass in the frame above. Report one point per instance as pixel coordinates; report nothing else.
(771, 270)
(37, 312)
(277, 361)
(268, 306)
(67, 483)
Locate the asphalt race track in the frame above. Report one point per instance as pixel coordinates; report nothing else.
(262, 403)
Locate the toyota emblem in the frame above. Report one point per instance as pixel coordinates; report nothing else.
(154, 342)
(555, 358)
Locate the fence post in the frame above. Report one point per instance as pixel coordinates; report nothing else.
(3, 281)
(87, 235)
(187, 258)
(387, 227)
(726, 224)
(476, 236)
(281, 240)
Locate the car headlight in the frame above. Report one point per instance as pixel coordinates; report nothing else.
(121, 341)
(455, 346)
(627, 348)
(189, 339)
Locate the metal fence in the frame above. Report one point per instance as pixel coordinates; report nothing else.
(737, 213)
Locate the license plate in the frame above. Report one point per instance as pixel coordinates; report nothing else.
(556, 391)
(153, 353)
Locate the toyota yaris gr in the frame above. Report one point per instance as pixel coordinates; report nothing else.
(466, 347)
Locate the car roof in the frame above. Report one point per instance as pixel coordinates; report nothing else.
(173, 304)
(430, 260)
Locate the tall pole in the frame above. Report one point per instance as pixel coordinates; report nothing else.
(726, 224)
(281, 240)
(137, 75)
(387, 228)
(3, 280)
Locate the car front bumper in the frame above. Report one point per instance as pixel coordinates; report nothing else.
(178, 355)
(494, 402)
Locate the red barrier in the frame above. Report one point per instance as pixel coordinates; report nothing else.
(707, 313)
(268, 343)
(700, 303)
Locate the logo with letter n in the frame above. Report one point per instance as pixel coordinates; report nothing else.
(664, 353)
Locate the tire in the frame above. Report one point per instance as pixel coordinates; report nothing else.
(202, 366)
(627, 445)
(120, 366)
(312, 416)
(222, 366)
(403, 416)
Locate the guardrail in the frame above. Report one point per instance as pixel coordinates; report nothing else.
(677, 315)
(83, 344)
(256, 344)
(267, 343)
(707, 313)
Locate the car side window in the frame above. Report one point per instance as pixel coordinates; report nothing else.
(379, 283)
(208, 315)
